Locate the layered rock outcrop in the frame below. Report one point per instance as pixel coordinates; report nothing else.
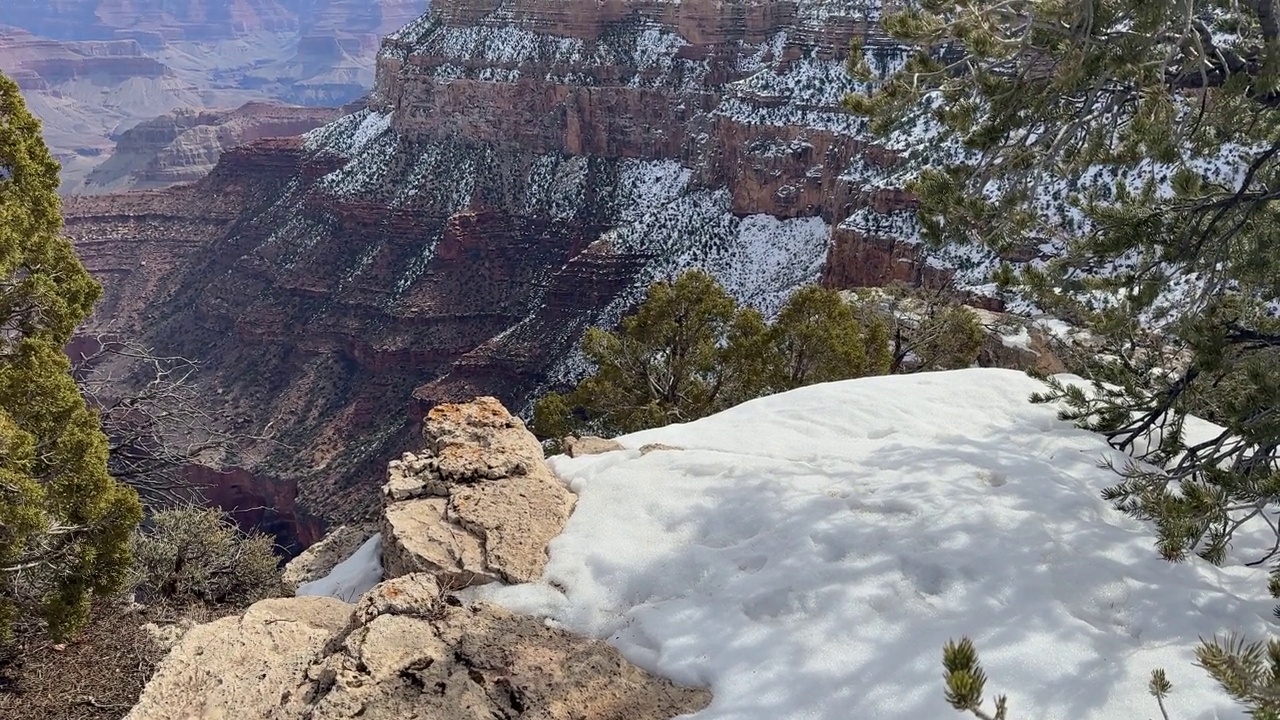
(522, 170)
(405, 650)
(408, 648)
(38, 64)
(91, 69)
(184, 146)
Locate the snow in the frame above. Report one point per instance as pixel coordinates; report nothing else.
(807, 555)
(1019, 339)
(352, 577)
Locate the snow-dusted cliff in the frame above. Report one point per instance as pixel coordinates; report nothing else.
(524, 169)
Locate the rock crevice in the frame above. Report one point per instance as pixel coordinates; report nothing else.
(478, 505)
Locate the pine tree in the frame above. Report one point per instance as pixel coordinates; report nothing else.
(820, 338)
(1140, 142)
(65, 524)
(689, 350)
(928, 328)
(964, 682)
(686, 352)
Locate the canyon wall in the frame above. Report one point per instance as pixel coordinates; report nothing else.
(93, 69)
(156, 21)
(184, 146)
(524, 169)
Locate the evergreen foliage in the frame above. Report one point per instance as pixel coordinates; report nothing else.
(1140, 141)
(197, 554)
(820, 338)
(965, 680)
(928, 328)
(64, 522)
(689, 350)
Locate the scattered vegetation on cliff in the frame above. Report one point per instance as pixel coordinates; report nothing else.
(1140, 144)
(198, 555)
(65, 523)
(929, 329)
(689, 350)
(155, 418)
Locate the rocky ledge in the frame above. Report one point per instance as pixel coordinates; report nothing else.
(483, 506)
(479, 506)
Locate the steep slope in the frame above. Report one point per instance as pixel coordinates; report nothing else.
(523, 169)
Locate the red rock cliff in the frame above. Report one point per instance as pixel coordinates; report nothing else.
(525, 168)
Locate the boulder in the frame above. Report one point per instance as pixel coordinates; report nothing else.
(478, 505)
(413, 476)
(241, 666)
(1014, 342)
(409, 653)
(318, 560)
(588, 445)
(480, 440)
(405, 650)
(418, 536)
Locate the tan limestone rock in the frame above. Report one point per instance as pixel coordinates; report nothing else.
(479, 505)
(239, 666)
(480, 440)
(589, 445)
(406, 650)
(418, 536)
(413, 476)
(418, 594)
(515, 518)
(409, 654)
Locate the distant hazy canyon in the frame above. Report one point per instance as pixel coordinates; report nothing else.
(93, 70)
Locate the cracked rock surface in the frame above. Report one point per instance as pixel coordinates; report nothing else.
(405, 651)
(478, 505)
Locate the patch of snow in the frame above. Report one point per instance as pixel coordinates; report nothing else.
(807, 555)
(352, 577)
(1020, 339)
(349, 134)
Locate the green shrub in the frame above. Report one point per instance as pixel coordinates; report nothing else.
(196, 554)
(927, 329)
(690, 350)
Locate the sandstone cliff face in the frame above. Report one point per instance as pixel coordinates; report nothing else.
(184, 146)
(204, 19)
(92, 68)
(523, 169)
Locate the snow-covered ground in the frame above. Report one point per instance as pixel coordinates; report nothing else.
(807, 555)
(351, 578)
